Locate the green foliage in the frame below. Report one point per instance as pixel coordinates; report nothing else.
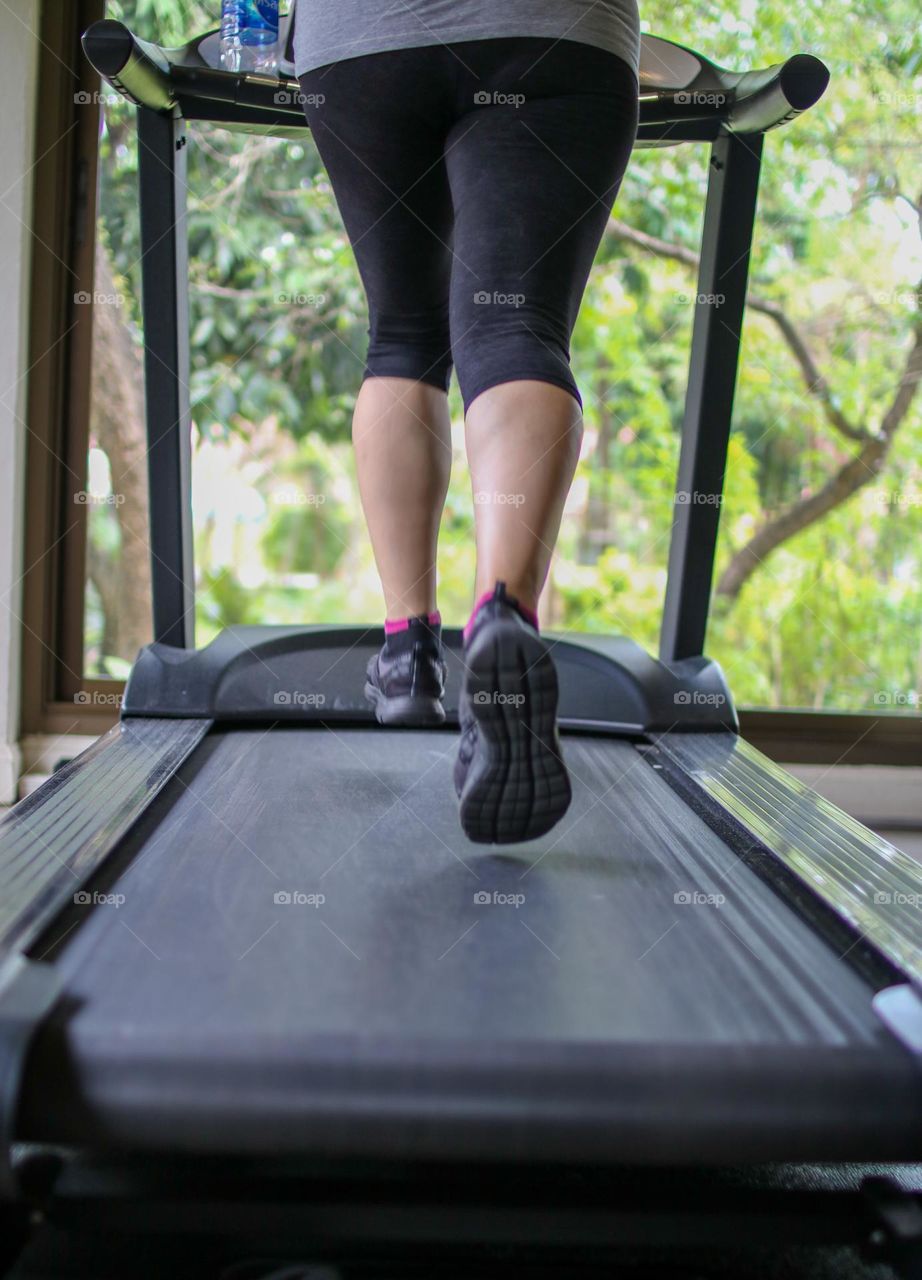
(308, 531)
(223, 602)
(831, 619)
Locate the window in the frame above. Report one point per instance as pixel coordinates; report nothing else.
(816, 602)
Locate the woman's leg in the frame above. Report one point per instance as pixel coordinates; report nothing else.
(382, 148)
(523, 441)
(402, 437)
(533, 173)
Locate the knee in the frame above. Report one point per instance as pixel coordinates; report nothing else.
(515, 408)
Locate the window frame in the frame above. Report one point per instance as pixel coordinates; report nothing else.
(56, 698)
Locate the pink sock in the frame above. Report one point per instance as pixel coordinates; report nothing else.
(393, 625)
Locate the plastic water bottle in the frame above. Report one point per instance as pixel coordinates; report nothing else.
(249, 35)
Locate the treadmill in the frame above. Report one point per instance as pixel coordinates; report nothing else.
(253, 977)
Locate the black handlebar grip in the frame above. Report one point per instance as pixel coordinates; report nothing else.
(765, 99)
(135, 68)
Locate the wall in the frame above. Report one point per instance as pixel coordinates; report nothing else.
(18, 63)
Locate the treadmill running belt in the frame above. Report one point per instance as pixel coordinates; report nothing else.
(304, 954)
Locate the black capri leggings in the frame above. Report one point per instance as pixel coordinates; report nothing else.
(475, 180)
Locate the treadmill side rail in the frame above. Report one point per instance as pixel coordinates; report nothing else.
(55, 839)
(871, 887)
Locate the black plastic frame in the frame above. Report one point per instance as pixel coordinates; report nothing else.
(475, 1216)
(270, 675)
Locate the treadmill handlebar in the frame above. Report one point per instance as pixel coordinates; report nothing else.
(765, 99)
(161, 80)
(137, 69)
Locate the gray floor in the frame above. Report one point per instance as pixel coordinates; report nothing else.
(909, 841)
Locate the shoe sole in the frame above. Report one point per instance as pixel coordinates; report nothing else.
(517, 785)
(409, 709)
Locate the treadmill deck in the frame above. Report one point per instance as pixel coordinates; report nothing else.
(304, 954)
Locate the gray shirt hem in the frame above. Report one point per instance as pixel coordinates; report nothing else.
(624, 43)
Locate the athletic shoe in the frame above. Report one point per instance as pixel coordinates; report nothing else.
(509, 775)
(407, 687)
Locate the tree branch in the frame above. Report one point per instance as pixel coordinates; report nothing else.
(815, 382)
(852, 476)
(864, 467)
